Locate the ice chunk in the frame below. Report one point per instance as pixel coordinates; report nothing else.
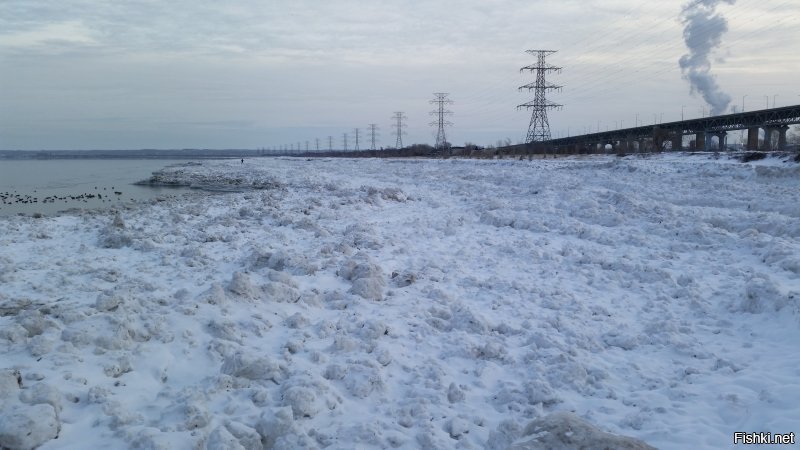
(302, 400)
(761, 295)
(367, 277)
(10, 382)
(222, 439)
(27, 427)
(252, 368)
(240, 284)
(246, 436)
(274, 424)
(41, 393)
(566, 431)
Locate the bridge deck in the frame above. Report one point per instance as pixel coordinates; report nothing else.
(766, 118)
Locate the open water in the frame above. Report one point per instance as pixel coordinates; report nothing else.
(53, 185)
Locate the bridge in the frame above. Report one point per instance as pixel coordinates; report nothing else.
(670, 136)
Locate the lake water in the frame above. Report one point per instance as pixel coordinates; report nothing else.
(50, 186)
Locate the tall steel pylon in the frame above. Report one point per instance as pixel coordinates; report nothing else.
(398, 117)
(344, 141)
(357, 134)
(441, 100)
(539, 128)
(373, 131)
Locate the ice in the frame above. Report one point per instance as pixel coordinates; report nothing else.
(27, 427)
(410, 304)
(28, 415)
(565, 431)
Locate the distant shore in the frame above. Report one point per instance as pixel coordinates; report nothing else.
(132, 154)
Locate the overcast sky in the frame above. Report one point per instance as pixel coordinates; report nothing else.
(95, 74)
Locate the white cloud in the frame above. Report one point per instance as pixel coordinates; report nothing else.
(68, 33)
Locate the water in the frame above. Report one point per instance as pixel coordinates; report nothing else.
(49, 186)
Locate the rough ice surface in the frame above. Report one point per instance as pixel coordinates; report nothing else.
(410, 304)
(566, 431)
(28, 417)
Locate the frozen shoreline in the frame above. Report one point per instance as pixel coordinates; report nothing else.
(413, 303)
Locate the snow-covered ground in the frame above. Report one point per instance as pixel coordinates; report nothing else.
(410, 304)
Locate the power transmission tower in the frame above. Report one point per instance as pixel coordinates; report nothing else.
(344, 139)
(357, 149)
(330, 143)
(317, 140)
(398, 117)
(539, 128)
(373, 131)
(306, 146)
(441, 100)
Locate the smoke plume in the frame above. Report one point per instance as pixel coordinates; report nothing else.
(702, 31)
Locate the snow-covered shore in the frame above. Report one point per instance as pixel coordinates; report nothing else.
(410, 304)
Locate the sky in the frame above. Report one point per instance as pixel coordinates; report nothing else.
(90, 74)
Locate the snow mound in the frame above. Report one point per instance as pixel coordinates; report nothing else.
(253, 367)
(242, 286)
(761, 295)
(366, 276)
(566, 431)
(28, 417)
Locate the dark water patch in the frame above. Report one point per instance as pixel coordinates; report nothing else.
(46, 187)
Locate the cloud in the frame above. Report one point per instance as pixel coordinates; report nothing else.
(68, 34)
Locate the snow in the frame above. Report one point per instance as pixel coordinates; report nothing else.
(411, 304)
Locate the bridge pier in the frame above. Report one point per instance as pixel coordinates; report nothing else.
(782, 130)
(677, 142)
(767, 144)
(752, 138)
(768, 132)
(721, 137)
(700, 141)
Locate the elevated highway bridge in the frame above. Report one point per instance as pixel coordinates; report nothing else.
(670, 136)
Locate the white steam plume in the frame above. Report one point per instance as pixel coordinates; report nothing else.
(702, 30)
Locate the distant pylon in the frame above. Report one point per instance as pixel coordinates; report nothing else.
(373, 131)
(344, 140)
(441, 100)
(317, 139)
(398, 117)
(539, 128)
(306, 145)
(356, 131)
(330, 143)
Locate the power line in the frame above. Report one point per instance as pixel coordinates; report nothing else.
(398, 117)
(441, 100)
(539, 127)
(373, 129)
